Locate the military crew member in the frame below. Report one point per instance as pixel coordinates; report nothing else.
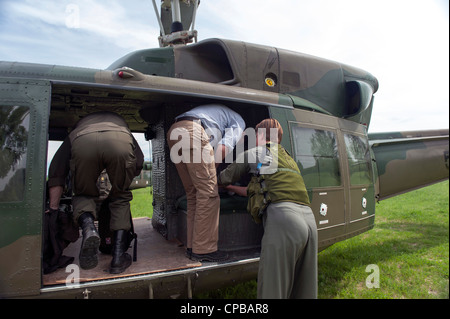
(98, 141)
(204, 129)
(277, 195)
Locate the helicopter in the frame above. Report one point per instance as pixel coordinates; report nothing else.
(323, 106)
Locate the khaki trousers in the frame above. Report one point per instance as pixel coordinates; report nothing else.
(93, 152)
(193, 157)
(288, 262)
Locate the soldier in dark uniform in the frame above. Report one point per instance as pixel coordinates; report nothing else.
(98, 141)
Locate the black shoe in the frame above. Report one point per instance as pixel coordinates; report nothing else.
(121, 260)
(90, 243)
(214, 256)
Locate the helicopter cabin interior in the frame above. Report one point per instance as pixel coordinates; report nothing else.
(161, 238)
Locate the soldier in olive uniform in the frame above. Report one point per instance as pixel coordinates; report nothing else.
(99, 141)
(277, 195)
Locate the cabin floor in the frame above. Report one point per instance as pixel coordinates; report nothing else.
(154, 254)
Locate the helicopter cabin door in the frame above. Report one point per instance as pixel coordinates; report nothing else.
(24, 108)
(360, 180)
(335, 160)
(316, 151)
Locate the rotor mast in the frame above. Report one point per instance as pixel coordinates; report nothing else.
(174, 21)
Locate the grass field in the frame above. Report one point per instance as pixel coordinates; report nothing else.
(141, 205)
(409, 246)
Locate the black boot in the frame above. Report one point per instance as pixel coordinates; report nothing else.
(121, 260)
(90, 243)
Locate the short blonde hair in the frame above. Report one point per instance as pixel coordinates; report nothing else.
(266, 125)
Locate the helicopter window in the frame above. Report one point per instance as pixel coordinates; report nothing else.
(14, 125)
(358, 159)
(316, 154)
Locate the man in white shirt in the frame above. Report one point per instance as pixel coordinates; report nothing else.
(192, 140)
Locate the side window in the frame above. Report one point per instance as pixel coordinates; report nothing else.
(14, 126)
(358, 159)
(316, 154)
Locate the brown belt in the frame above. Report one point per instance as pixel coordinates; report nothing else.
(189, 118)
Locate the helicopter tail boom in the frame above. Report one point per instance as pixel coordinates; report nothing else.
(409, 160)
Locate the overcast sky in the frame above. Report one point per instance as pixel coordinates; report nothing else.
(404, 43)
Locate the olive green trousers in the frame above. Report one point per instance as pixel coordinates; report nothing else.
(93, 152)
(288, 262)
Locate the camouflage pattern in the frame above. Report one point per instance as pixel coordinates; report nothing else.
(288, 78)
(409, 160)
(21, 214)
(303, 80)
(324, 108)
(336, 196)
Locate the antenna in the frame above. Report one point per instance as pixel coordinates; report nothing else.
(174, 21)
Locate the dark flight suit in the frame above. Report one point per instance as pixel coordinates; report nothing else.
(99, 141)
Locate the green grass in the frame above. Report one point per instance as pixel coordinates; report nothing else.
(141, 205)
(409, 244)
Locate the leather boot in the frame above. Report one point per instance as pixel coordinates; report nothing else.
(90, 242)
(121, 260)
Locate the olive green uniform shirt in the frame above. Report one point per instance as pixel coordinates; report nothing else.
(99, 141)
(275, 178)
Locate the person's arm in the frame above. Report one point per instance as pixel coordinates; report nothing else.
(232, 135)
(221, 152)
(234, 171)
(240, 190)
(60, 165)
(57, 173)
(55, 193)
(139, 157)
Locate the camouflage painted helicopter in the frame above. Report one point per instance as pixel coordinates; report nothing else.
(324, 107)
